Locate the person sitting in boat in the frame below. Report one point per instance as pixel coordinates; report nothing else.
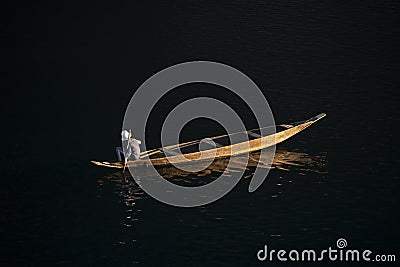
(130, 149)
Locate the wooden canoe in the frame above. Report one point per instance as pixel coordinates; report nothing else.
(253, 142)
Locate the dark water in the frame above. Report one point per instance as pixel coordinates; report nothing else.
(71, 70)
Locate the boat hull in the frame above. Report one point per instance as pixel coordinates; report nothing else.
(256, 144)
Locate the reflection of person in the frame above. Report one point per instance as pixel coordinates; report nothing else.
(130, 149)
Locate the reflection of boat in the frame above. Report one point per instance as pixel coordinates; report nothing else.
(219, 146)
(287, 166)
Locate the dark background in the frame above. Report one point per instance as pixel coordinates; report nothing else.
(70, 69)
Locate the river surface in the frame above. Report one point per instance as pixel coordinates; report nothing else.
(73, 70)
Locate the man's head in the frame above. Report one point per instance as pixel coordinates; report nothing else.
(125, 135)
